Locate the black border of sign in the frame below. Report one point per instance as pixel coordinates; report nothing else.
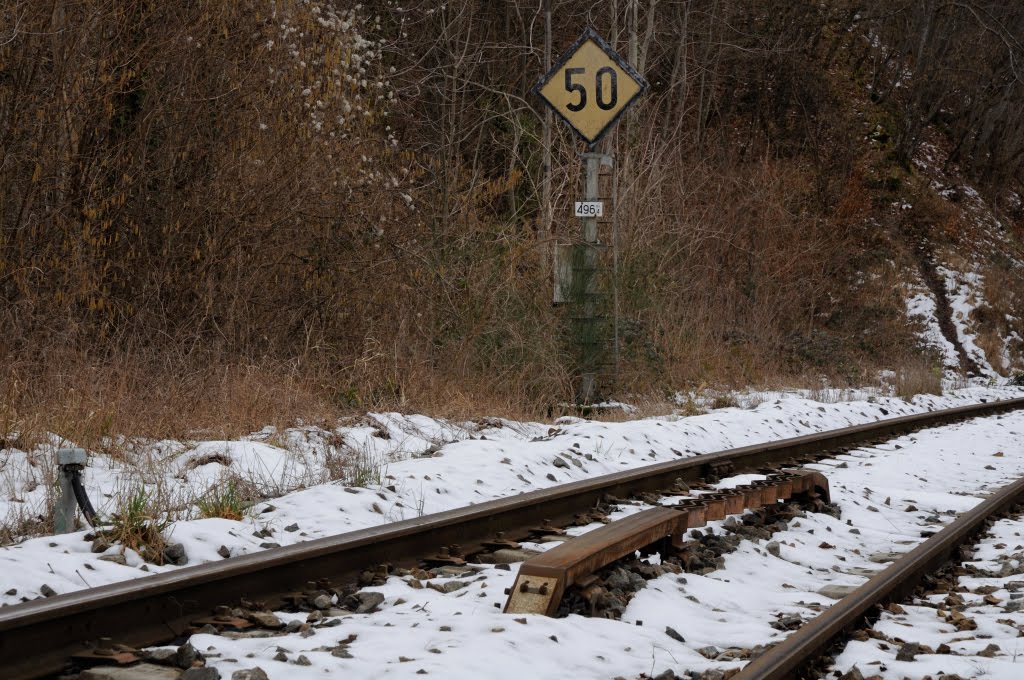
(590, 34)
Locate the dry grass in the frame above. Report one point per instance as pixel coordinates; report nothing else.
(89, 402)
(225, 501)
(93, 402)
(284, 275)
(139, 524)
(918, 377)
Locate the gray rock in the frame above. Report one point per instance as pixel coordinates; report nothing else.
(732, 654)
(836, 591)
(322, 602)
(186, 656)
(853, 674)
(989, 651)
(1013, 606)
(47, 591)
(621, 579)
(369, 601)
(860, 571)
(558, 462)
(224, 552)
(204, 673)
(100, 545)
(674, 634)
(143, 671)
(773, 548)
(256, 673)
(303, 661)
(446, 587)
(610, 601)
(788, 622)
(452, 570)
(116, 559)
(163, 656)
(266, 620)
(292, 527)
(709, 652)
(908, 651)
(175, 554)
(885, 557)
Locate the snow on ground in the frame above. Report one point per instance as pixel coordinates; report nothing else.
(888, 495)
(926, 638)
(462, 633)
(456, 466)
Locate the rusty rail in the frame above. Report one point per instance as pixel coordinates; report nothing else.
(792, 658)
(542, 579)
(36, 638)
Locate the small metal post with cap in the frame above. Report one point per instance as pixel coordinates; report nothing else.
(70, 463)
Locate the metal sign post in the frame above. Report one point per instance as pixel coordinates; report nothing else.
(589, 334)
(589, 88)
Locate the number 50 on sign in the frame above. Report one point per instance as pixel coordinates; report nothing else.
(590, 86)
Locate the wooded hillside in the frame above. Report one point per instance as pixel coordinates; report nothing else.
(231, 212)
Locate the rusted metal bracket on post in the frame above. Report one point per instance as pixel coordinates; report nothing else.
(542, 580)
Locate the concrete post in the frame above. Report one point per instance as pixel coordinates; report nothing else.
(68, 460)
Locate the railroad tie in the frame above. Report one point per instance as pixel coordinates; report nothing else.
(543, 579)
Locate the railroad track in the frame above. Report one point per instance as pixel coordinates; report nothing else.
(800, 655)
(37, 638)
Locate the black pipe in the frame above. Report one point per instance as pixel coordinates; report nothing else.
(82, 497)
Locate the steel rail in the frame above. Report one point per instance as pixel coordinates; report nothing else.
(37, 637)
(793, 657)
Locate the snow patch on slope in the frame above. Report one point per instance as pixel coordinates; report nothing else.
(922, 307)
(965, 292)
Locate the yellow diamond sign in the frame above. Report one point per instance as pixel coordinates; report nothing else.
(590, 86)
